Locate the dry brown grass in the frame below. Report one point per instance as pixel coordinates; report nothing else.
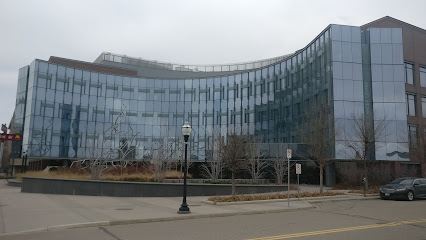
(269, 196)
(110, 176)
(373, 190)
(133, 177)
(175, 175)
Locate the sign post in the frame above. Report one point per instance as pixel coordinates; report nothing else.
(298, 172)
(288, 176)
(4, 130)
(1, 154)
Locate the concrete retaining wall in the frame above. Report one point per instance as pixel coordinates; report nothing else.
(136, 189)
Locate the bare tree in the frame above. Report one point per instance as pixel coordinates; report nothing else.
(159, 161)
(278, 163)
(279, 166)
(213, 166)
(174, 152)
(366, 134)
(212, 170)
(163, 155)
(319, 134)
(233, 151)
(255, 164)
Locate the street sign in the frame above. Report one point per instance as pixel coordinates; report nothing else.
(4, 128)
(288, 153)
(10, 137)
(298, 168)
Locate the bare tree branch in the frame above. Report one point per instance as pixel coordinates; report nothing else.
(233, 151)
(255, 164)
(366, 139)
(214, 165)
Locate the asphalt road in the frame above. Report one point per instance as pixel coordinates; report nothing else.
(358, 219)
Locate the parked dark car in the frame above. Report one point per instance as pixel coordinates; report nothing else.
(404, 188)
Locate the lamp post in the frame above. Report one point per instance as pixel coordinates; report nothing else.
(24, 162)
(186, 131)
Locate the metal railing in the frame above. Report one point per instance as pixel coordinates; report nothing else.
(189, 68)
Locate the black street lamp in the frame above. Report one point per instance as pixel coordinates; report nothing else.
(186, 131)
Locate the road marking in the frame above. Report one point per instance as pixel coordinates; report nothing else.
(305, 234)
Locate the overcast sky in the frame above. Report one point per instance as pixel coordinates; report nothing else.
(186, 32)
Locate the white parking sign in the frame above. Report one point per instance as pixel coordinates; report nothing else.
(288, 153)
(298, 168)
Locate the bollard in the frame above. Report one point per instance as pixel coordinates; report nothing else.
(364, 181)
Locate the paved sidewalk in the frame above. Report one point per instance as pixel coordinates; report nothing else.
(21, 212)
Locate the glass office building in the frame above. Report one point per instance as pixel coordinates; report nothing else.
(64, 107)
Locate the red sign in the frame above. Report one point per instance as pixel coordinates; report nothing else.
(4, 128)
(10, 137)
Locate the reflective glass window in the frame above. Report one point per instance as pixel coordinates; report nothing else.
(376, 53)
(422, 76)
(412, 136)
(387, 73)
(386, 53)
(337, 51)
(409, 73)
(346, 52)
(397, 54)
(424, 106)
(386, 35)
(389, 92)
(411, 105)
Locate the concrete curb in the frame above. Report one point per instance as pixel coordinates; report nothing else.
(148, 220)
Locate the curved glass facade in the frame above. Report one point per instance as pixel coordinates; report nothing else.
(69, 109)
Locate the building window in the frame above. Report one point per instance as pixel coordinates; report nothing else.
(409, 73)
(424, 106)
(422, 76)
(412, 136)
(411, 105)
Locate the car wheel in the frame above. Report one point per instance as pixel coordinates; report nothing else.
(410, 196)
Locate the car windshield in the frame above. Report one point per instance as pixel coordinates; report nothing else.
(402, 181)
